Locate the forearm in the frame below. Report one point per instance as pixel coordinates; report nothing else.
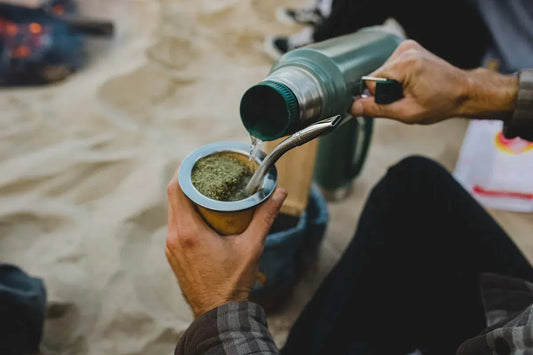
(488, 94)
(234, 328)
(509, 98)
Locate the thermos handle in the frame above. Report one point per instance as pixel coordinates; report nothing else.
(387, 90)
(361, 144)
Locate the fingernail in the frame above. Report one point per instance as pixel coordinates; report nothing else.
(357, 108)
(279, 194)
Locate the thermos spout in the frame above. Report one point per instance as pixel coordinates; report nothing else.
(301, 137)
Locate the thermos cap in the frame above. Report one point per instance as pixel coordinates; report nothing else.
(269, 110)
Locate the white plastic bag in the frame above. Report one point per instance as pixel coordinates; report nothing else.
(497, 171)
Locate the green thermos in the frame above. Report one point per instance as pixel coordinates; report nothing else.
(315, 82)
(341, 155)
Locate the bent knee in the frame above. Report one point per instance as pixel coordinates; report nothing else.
(417, 165)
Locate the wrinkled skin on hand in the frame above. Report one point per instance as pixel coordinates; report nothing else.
(211, 269)
(433, 88)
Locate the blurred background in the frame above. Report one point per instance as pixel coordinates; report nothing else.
(101, 100)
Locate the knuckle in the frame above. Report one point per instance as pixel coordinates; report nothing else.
(187, 237)
(172, 187)
(371, 109)
(187, 242)
(268, 218)
(182, 238)
(171, 242)
(364, 110)
(410, 55)
(412, 59)
(409, 44)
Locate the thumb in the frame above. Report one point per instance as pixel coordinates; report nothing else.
(367, 107)
(265, 215)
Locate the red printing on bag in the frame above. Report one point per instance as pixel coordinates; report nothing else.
(495, 193)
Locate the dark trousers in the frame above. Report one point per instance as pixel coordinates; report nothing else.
(409, 278)
(22, 308)
(452, 29)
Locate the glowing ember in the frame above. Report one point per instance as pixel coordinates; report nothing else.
(20, 52)
(41, 45)
(35, 28)
(22, 40)
(11, 29)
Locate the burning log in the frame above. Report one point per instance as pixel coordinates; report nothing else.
(42, 45)
(21, 14)
(90, 27)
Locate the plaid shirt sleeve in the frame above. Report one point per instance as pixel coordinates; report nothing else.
(508, 304)
(236, 328)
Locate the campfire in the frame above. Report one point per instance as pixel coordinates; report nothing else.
(45, 44)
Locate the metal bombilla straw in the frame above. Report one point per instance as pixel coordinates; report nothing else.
(301, 137)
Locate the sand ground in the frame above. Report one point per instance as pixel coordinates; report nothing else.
(84, 165)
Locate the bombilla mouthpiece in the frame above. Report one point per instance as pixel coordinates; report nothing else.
(301, 137)
(317, 129)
